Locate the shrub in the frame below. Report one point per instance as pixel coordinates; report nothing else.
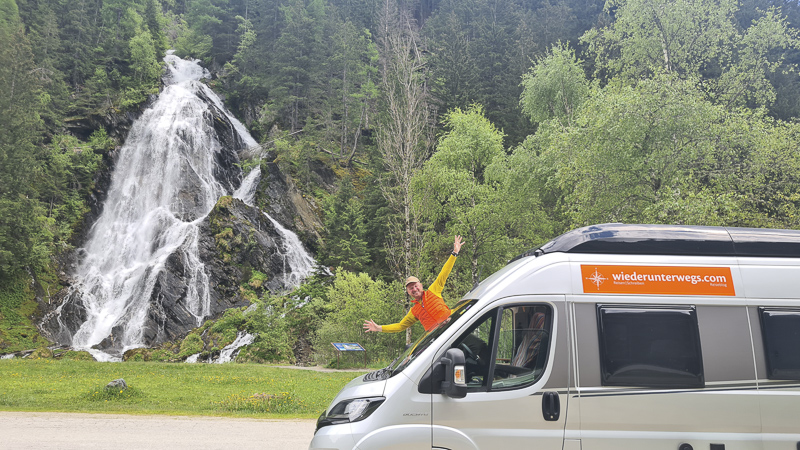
(268, 322)
(191, 344)
(354, 298)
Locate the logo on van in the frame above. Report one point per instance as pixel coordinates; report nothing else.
(666, 280)
(597, 278)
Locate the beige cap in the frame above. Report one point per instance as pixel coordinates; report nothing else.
(410, 280)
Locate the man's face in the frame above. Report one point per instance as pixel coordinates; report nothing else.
(415, 290)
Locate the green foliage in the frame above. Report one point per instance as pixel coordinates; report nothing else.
(22, 242)
(191, 344)
(555, 87)
(307, 306)
(267, 321)
(695, 39)
(190, 43)
(661, 153)
(345, 226)
(68, 179)
(232, 321)
(459, 191)
(72, 355)
(352, 92)
(354, 298)
(479, 50)
(17, 307)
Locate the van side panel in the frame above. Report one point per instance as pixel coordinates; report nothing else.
(774, 279)
(727, 348)
(620, 417)
(560, 372)
(587, 345)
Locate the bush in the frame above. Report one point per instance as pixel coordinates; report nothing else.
(101, 394)
(191, 344)
(268, 322)
(354, 298)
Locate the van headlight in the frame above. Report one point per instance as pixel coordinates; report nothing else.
(349, 411)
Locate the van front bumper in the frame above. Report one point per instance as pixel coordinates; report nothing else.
(333, 437)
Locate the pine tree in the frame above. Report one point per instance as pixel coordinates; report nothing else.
(345, 225)
(21, 243)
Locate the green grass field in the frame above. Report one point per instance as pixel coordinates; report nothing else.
(241, 390)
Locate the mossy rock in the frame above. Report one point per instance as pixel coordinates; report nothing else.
(168, 352)
(74, 355)
(41, 353)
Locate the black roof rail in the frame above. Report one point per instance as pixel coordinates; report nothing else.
(633, 239)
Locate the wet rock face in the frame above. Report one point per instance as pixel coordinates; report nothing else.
(280, 198)
(237, 238)
(226, 170)
(234, 238)
(234, 241)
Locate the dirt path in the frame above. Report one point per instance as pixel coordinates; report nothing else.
(67, 431)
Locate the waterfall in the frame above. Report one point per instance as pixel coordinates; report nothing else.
(227, 353)
(167, 179)
(297, 263)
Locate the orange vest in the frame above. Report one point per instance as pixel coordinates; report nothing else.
(430, 311)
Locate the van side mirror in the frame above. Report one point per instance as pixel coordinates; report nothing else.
(454, 384)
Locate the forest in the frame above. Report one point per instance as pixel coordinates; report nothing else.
(508, 122)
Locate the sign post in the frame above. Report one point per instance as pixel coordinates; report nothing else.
(348, 347)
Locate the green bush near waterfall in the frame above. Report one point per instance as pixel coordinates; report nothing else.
(267, 320)
(192, 344)
(17, 309)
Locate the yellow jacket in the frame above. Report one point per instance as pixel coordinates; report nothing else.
(432, 309)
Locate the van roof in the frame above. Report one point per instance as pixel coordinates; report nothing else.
(634, 239)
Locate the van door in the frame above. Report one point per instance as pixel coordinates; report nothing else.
(516, 368)
(776, 335)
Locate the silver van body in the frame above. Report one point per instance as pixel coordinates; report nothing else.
(608, 337)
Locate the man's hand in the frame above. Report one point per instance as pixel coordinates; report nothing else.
(371, 326)
(457, 244)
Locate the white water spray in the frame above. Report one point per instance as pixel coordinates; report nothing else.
(163, 186)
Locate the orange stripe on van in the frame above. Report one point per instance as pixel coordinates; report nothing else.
(669, 280)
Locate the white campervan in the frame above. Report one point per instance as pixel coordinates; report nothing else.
(607, 337)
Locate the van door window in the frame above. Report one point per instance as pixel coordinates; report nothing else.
(649, 346)
(511, 355)
(477, 351)
(780, 328)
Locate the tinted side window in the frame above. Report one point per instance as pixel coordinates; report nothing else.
(780, 328)
(649, 346)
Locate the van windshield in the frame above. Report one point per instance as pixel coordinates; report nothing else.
(426, 340)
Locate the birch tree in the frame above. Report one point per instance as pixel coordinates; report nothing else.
(456, 192)
(404, 134)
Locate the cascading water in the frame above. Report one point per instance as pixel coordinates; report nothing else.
(167, 179)
(297, 263)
